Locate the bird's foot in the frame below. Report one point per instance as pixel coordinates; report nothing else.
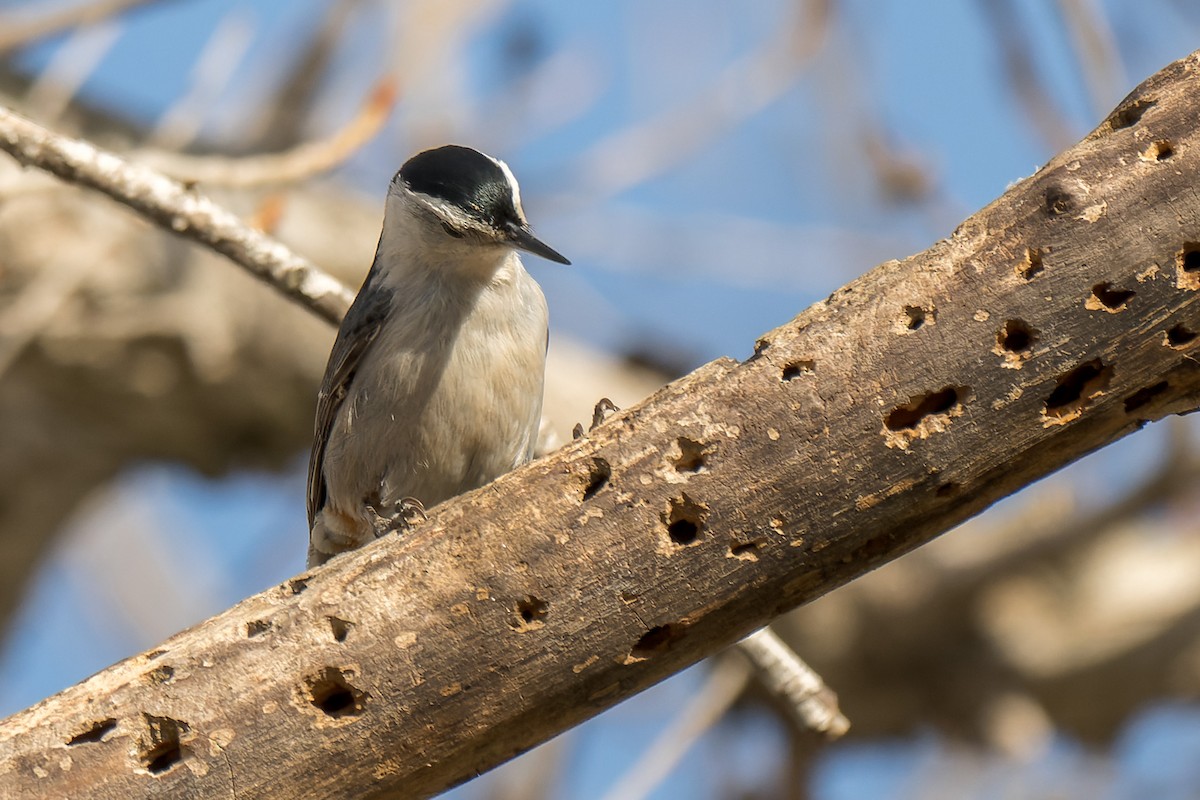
(399, 518)
(604, 409)
(409, 510)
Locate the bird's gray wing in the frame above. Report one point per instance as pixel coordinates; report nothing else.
(359, 330)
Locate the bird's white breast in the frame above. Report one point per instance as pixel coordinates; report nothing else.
(448, 397)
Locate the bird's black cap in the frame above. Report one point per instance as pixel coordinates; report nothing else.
(480, 187)
(466, 178)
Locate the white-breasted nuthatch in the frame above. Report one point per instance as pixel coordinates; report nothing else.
(434, 384)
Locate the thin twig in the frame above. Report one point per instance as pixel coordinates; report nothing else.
(218, 62)
(15, 31)
(641, 151)
(176, 207)
(278, 124)
(1096, 48)
(726, 682)
(69, 68)
(1021, 64)
(302, 161)
(784, 674)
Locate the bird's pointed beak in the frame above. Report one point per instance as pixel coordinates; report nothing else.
(523, 239)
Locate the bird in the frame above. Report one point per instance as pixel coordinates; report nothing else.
(434, 383)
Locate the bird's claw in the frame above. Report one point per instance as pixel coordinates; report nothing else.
(604, 409)
(399, 518)
(409, 510)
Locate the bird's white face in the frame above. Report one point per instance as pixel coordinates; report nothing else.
(451, 219)
(420, 232)
(461, 208)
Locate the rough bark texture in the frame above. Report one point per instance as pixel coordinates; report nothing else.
(1061, 317)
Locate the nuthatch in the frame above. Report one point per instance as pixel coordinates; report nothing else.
(434, 384)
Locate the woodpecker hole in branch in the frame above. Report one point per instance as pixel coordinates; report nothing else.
(331, 692)
(924, 415)
(1187, 266)
(794, 369)
(912, 413)
(1110, 299)
(693, 455)
(1158, 151)
(916, 317)
(1143, 396)
(1131, 114)
(257, 627)
(745, 550)
(598, 475)
(1179, 337)
(1031, 264)
(340, 628)
(658, 639)
(1058, 201)
(1014, 342)
(684, 519)
(95, 732)
(1075, 391)
(162, 748)
(161, 674)
(531, 613)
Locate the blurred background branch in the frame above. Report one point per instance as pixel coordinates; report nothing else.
(27, 26)
(300, 162)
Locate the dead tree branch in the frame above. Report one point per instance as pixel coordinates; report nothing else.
(175, 207)
(1060, 318)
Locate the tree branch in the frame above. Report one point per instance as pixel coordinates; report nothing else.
(177, 208)
(16, 32)
(303, 161)
(811, 704)
(1060, 318)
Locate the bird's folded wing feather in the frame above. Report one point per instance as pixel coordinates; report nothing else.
(358, 332)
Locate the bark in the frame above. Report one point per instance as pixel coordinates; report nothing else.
(1060, 318)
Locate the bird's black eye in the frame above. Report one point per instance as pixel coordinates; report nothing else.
(446, 227)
